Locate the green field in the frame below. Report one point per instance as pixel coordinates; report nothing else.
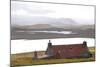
(25, 59)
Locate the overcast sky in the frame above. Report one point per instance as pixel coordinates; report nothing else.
(23, 13)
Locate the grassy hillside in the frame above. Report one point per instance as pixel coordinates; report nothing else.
(23, 59)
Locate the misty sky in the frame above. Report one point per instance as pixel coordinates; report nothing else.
(26, 13)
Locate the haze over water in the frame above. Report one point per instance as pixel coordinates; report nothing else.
(20, 46)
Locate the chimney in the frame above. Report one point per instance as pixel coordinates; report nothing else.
(35, 55)
(84, 43)
(49, 44)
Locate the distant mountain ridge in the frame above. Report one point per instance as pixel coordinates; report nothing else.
(43, 20)
(47, 26)
(39, 22)
(36, 26)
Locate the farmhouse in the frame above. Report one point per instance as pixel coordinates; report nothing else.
(68, 51)
(65, 51)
